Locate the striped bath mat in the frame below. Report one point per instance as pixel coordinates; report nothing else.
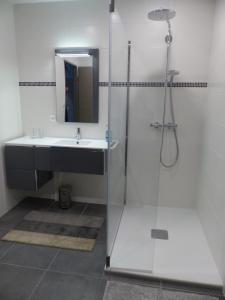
(68, 231)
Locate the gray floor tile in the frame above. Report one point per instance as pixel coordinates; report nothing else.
(81, 262)
(36, 203)
(16, 215)
(56, 286)
(102, 233)
(3, 231)
(101, 290)
(4, 246)
(13, 217)
(17, 283)
(95, 210)
(30, 256)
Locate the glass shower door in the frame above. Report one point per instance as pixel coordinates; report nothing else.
(132, 199)
(117, 131)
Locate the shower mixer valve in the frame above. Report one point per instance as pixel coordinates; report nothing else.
(158, 125)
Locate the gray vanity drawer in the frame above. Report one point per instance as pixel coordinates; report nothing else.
(21, 179)
(43, 158)
(19, 157)
(27, 180)
(27, 168)
(77, 160)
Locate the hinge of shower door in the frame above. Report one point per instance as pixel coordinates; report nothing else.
(112, 6)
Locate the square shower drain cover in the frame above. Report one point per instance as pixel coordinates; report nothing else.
(159, 234)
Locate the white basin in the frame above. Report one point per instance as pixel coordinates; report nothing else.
(98, 144)
(70, 142)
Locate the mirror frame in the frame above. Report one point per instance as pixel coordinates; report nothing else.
(94, 52)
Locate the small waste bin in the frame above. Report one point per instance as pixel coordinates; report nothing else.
(65, 200)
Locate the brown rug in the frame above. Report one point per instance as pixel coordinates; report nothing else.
(61, 230)
(65, 219)
(50, 240)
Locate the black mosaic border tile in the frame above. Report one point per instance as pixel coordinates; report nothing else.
(155, 84)
(130, 84)
(32, 83)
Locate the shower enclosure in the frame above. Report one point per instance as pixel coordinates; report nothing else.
(154, 121)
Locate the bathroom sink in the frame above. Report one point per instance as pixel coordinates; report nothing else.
(72, 142)
(96, 144)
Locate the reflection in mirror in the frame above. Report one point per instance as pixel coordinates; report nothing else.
(77, 85)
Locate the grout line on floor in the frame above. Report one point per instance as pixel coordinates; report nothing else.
(53, 271)
(160, 287)
(77, 274)
(22, 267)
(43, 275)
(53, 259)
(7, 250)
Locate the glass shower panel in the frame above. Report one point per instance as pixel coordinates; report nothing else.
(117, 129)
(132, 218)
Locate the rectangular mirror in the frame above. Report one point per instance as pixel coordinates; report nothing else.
(77, 80)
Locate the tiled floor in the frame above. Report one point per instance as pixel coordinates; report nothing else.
(36, 272)
(40, 273)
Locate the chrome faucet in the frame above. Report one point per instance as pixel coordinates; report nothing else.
(78, 134)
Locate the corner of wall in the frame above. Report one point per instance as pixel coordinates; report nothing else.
(10, 112)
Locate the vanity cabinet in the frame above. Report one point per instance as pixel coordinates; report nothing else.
(87, 161)
(21, 169)
(30, 167)
(43, 158)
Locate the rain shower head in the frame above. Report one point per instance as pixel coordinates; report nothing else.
(162, 14)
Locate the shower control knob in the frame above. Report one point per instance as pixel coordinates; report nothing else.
(156, 125)
(171, 125)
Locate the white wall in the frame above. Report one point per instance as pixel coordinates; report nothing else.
(54, 25)
(192, 32)
(211, 204)
(85, 23)
(10, 116)
(198, 178)
(40, 28)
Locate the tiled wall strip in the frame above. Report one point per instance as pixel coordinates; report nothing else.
(37, 83)
(156, 84)
(131, 84)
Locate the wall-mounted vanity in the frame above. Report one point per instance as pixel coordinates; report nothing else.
(30, 163)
